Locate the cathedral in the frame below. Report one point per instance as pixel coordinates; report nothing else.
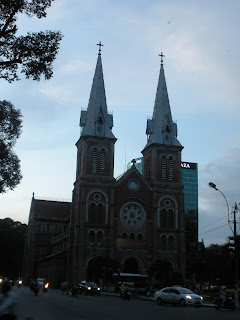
(133, 221)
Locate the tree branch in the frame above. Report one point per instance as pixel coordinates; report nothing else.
(7, 63)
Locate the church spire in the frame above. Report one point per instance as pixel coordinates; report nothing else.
(161, 129)
(96, 121)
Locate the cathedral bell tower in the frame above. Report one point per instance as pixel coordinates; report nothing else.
(92, 195)
(162, 153)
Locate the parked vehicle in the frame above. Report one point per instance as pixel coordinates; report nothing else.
(178, 295)
(227, 304)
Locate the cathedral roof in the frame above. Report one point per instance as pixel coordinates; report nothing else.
(51, 210)
(161, 129)
(96, 121)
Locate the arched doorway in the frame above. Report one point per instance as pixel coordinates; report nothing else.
(94, 269)
(131, 266)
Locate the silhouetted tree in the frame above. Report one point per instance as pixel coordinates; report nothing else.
(12, 239)
(34, 52)
(10, 130)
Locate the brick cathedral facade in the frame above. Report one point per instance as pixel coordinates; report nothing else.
(134, 220)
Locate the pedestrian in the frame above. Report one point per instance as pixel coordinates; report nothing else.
(8, 301)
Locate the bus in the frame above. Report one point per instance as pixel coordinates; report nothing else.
(133, 280)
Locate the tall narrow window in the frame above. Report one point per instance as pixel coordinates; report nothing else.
(163, 218)
(102, 161)
(164, 167)
(92, 213)
(94, 160)
(100, 126)
(100, 238)
(92, 236)
(163, 242)
(170, 169)
(148, 169)
(170, 243)
(100, 214)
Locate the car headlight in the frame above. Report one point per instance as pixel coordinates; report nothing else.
(98, 288)
(188, 297)
(89, 288)
(201, 298)
(20, 282)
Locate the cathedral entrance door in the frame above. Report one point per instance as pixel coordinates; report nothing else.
(131, 266)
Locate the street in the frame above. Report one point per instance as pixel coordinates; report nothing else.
(54, 305)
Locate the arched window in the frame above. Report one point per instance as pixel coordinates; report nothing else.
(171, 218)
(170, 243)
(48, 228)
(163, 242)
(43, 227)
(92, 236)
(163, 218)
(170, 168)
(92, 213)
(132, 236)
(60, 228)
(94, 160)
(56, 228)
(65, 228)
(39, 227)
(164, 168)
(124, 235)
(100, 214)
(100, 126)
(100, 238)
(139, 236)
(102, 161)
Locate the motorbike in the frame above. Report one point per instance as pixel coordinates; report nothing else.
(125, 294)
(227, 304)
(19, 284)
(45, 287)
(36, 290)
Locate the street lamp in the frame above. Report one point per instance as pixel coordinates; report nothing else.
(212, 185)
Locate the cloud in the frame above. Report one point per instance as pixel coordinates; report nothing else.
(213, 207)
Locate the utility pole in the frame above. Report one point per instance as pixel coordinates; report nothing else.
(235, 235)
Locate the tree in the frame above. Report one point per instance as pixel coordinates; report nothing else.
(35, 52)
(12, 238)
(10, 130)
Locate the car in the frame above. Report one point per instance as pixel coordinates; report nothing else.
(91, 288)
(178, 295)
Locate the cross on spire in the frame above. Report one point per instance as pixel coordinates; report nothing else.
(161, 55)
(133, 162)
(100, 45)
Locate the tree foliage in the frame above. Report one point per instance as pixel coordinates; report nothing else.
(36, 51)
(10, 130)
(12, 239)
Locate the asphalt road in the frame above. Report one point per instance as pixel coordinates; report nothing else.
(53, 305)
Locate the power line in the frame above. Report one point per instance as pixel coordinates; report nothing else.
(213, 222)
(213, 229)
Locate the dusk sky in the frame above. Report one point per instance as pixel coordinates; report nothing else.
(200, 41)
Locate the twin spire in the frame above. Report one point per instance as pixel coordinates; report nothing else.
(96, 121)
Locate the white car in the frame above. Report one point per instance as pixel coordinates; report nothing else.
(178, 295)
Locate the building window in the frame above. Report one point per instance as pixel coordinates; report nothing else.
(139, 236)
(132, 236)
(44, 227)
(100, 238)
(124, 235)
(164, 167)
(94, 160)
(39, 227)
(92, 213)
(102, 161)
(170, 169)
(48, 228)
(100, 214)
(92, 236)
(148, 169)
(163, 243)
(171, 243)
(163, 218)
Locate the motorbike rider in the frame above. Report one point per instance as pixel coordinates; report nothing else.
(223, 295)
(8, 301)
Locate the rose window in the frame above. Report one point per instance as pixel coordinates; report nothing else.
(132, 215)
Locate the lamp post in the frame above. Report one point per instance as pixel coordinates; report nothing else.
(212, 185)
